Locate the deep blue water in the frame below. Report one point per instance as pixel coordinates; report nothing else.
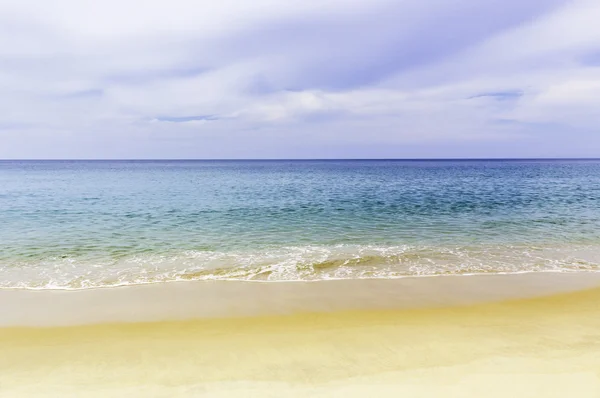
(95, 223)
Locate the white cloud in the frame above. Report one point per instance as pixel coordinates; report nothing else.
(148, 79)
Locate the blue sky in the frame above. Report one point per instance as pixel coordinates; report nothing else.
(310, 79)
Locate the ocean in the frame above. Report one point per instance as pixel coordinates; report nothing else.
(90, 224)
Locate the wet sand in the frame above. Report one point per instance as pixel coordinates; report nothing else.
(496, 336)
(223, 299)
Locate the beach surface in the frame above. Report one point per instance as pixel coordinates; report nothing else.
(528, 335)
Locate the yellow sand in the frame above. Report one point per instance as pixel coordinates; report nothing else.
(542, 347)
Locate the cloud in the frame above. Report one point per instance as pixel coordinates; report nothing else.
(500, 95)
(331, 78)
(184, 119)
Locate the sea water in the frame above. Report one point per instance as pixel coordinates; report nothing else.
(86, 224)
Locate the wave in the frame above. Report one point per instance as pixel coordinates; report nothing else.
(297, 263)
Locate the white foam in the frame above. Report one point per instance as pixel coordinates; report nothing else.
(299, 263)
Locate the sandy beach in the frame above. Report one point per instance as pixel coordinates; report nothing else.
(538, 338)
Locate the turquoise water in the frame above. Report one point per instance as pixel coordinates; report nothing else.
(78, 224)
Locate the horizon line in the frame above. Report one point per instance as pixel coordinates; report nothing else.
(281, 159)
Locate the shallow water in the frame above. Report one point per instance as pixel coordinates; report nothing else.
(79, 224)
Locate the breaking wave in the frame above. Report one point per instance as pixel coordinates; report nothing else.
(297, 263)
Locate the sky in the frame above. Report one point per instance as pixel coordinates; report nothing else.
(224, 79)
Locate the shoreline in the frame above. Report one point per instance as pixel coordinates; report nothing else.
(186, 300)
(288, 281)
